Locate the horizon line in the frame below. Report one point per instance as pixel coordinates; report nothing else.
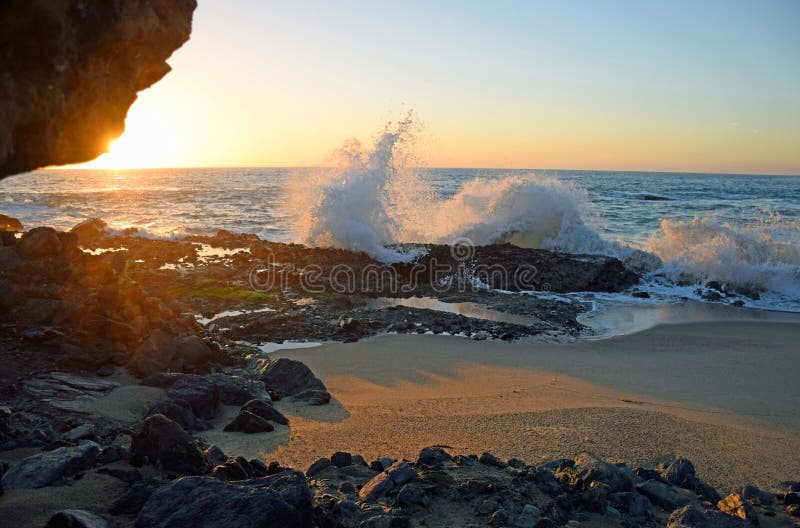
(232, 167)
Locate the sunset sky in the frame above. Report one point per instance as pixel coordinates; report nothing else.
(632, 85)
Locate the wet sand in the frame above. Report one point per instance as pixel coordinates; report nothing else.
(723, 394)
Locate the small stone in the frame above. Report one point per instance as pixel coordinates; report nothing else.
(488, 506)
(734, 505)
(662, 495)
(249, 423)
(499, 518)
(318, 466)
(85, 431)
(341, 459)
(680, 473)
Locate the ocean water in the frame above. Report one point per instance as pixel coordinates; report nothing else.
(678, 230)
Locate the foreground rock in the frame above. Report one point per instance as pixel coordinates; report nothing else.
(65, 91)
(287, 377)
(51, 467)
(160, 440)
(277, 501)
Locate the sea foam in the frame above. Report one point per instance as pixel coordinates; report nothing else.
(375, 199)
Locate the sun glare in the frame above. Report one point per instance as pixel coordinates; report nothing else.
(148, 141)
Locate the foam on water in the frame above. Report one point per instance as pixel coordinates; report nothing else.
(374, 200)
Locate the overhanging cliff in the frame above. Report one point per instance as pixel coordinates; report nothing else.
(71, 69)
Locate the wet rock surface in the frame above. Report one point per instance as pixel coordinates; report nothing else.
(79, 321)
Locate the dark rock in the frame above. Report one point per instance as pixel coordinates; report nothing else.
(595, 496)
(529, 517)
(39, 242)
(680, 473)
(9, 223)
(259, 468)
(131, 502)
(274, 468)
(358, 460)
(735, 505)
(393, 478)
(587, 468)
(752, 493)
(154, 355)
(45, 469)
(125, 475)
(633, 504)
(287, 377)
(90, 230)
(82, 432)
(277, 501)
(433, 457)
(491, 460)
(65, 90)
(662, 495)
(215, 456)
(706, 492)
(231, 470)
(714, 285)
(180, 412)
(266, 411)
(76, 519)
(640, 294)
(162, 380)
(341, 459)
(247, 422)
(791, 498)
(112, 454)
(191, 354)
(164, 441)
(235, 390)
(693, 517)
(499, 518)
(319, 466)
(201, 394)
(314, 397)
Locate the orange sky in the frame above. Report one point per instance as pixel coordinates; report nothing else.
(523, 85)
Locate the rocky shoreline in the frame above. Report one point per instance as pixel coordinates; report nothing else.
(107, 371)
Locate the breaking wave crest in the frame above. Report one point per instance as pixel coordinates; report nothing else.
(374, 200)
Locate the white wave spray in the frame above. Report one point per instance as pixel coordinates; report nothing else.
(375, 200)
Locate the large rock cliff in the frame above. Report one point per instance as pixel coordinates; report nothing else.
(70, 69)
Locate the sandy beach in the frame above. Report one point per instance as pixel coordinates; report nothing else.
(723, 394)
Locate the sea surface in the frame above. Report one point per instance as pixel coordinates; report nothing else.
(741, 230)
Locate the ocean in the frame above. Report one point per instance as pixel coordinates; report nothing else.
(741, 230)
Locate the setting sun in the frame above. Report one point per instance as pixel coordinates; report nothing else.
(148, 141)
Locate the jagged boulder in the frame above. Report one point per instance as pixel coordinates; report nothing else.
(287, 377)
(201, 394)
(278, 501)
(163, 441)
(50, 467)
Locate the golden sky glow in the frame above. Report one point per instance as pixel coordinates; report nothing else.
(531, 85)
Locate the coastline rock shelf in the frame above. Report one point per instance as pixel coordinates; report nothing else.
(107, 372)
(71, 69)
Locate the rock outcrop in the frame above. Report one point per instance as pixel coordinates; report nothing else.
(71, 69)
